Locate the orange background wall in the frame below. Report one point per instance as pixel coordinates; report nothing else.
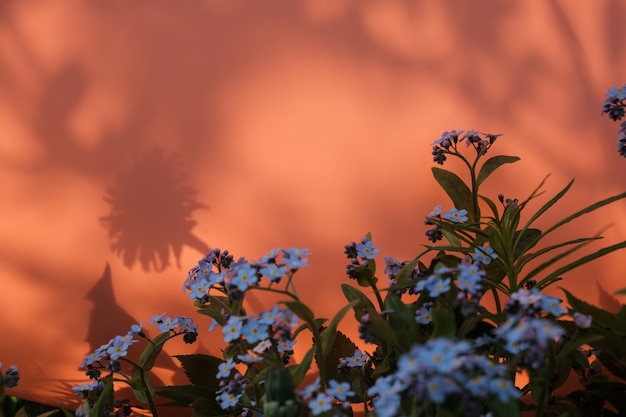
(277, 123)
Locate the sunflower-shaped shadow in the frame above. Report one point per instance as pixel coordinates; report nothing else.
(151, 208)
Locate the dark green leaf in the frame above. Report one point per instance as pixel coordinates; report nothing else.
(185, 394)
(355, 295)
(327, 337)
(149, 355)
(298, 372)
(456, 189)
(492, 164)
(402, 318)
(301, 310)
(201, 369)
(444, 322)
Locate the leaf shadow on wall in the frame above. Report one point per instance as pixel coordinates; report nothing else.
(108, 318)
(151, 208)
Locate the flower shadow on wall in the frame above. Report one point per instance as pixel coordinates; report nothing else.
(151, 208)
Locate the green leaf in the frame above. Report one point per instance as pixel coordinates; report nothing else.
(184, 395)
(355, 295)
(382, 328)
(456, 189)
(492, 164)
(402, 318)
(444, 322)
(621, 292)
(342, 347)
(150, 353)
(301, 310)
(327, 337)
(503, 409)
(407, 271)
(492, 207)
(554, 276)
(105, 398)
(298, 372)
(201, 369)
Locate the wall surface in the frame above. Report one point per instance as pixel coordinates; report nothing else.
(136, 135)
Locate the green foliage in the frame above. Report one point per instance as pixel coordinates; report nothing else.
(436, 300)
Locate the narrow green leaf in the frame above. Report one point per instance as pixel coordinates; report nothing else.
(149, 355)
(621, 292)
(407, 271)
(581, 261)
(105, 397)
(492, 164)
(298, 372)
(456, 189)
(586, 210)
(530, 256)
(492, 207)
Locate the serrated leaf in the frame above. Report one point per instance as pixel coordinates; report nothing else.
(327, 337)
(208, 407)
(342, 347)
(201, 369)
(456, 189)
(492, 164)
(185, 394)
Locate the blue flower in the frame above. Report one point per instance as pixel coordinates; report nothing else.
(321, 403)
(438, 286)
(225, 368)
(423, 315)
(617, 92)
(310, 389)
(456, 216)
(243, 276)
(254, 331)
(366, 249)
(273, 272)
(552, 305)
(358, 359)
(295, 257)
(484, 255)
(340, 390)
(232, 329)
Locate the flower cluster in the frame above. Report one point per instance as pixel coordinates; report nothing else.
(434, 348)
(614, 105)
(447, 143)
(527, 332)
(11, 376)
(443, 372)
(250, 337)
(435, 218)
(321, 401)
(109, 356)
(218, 271)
